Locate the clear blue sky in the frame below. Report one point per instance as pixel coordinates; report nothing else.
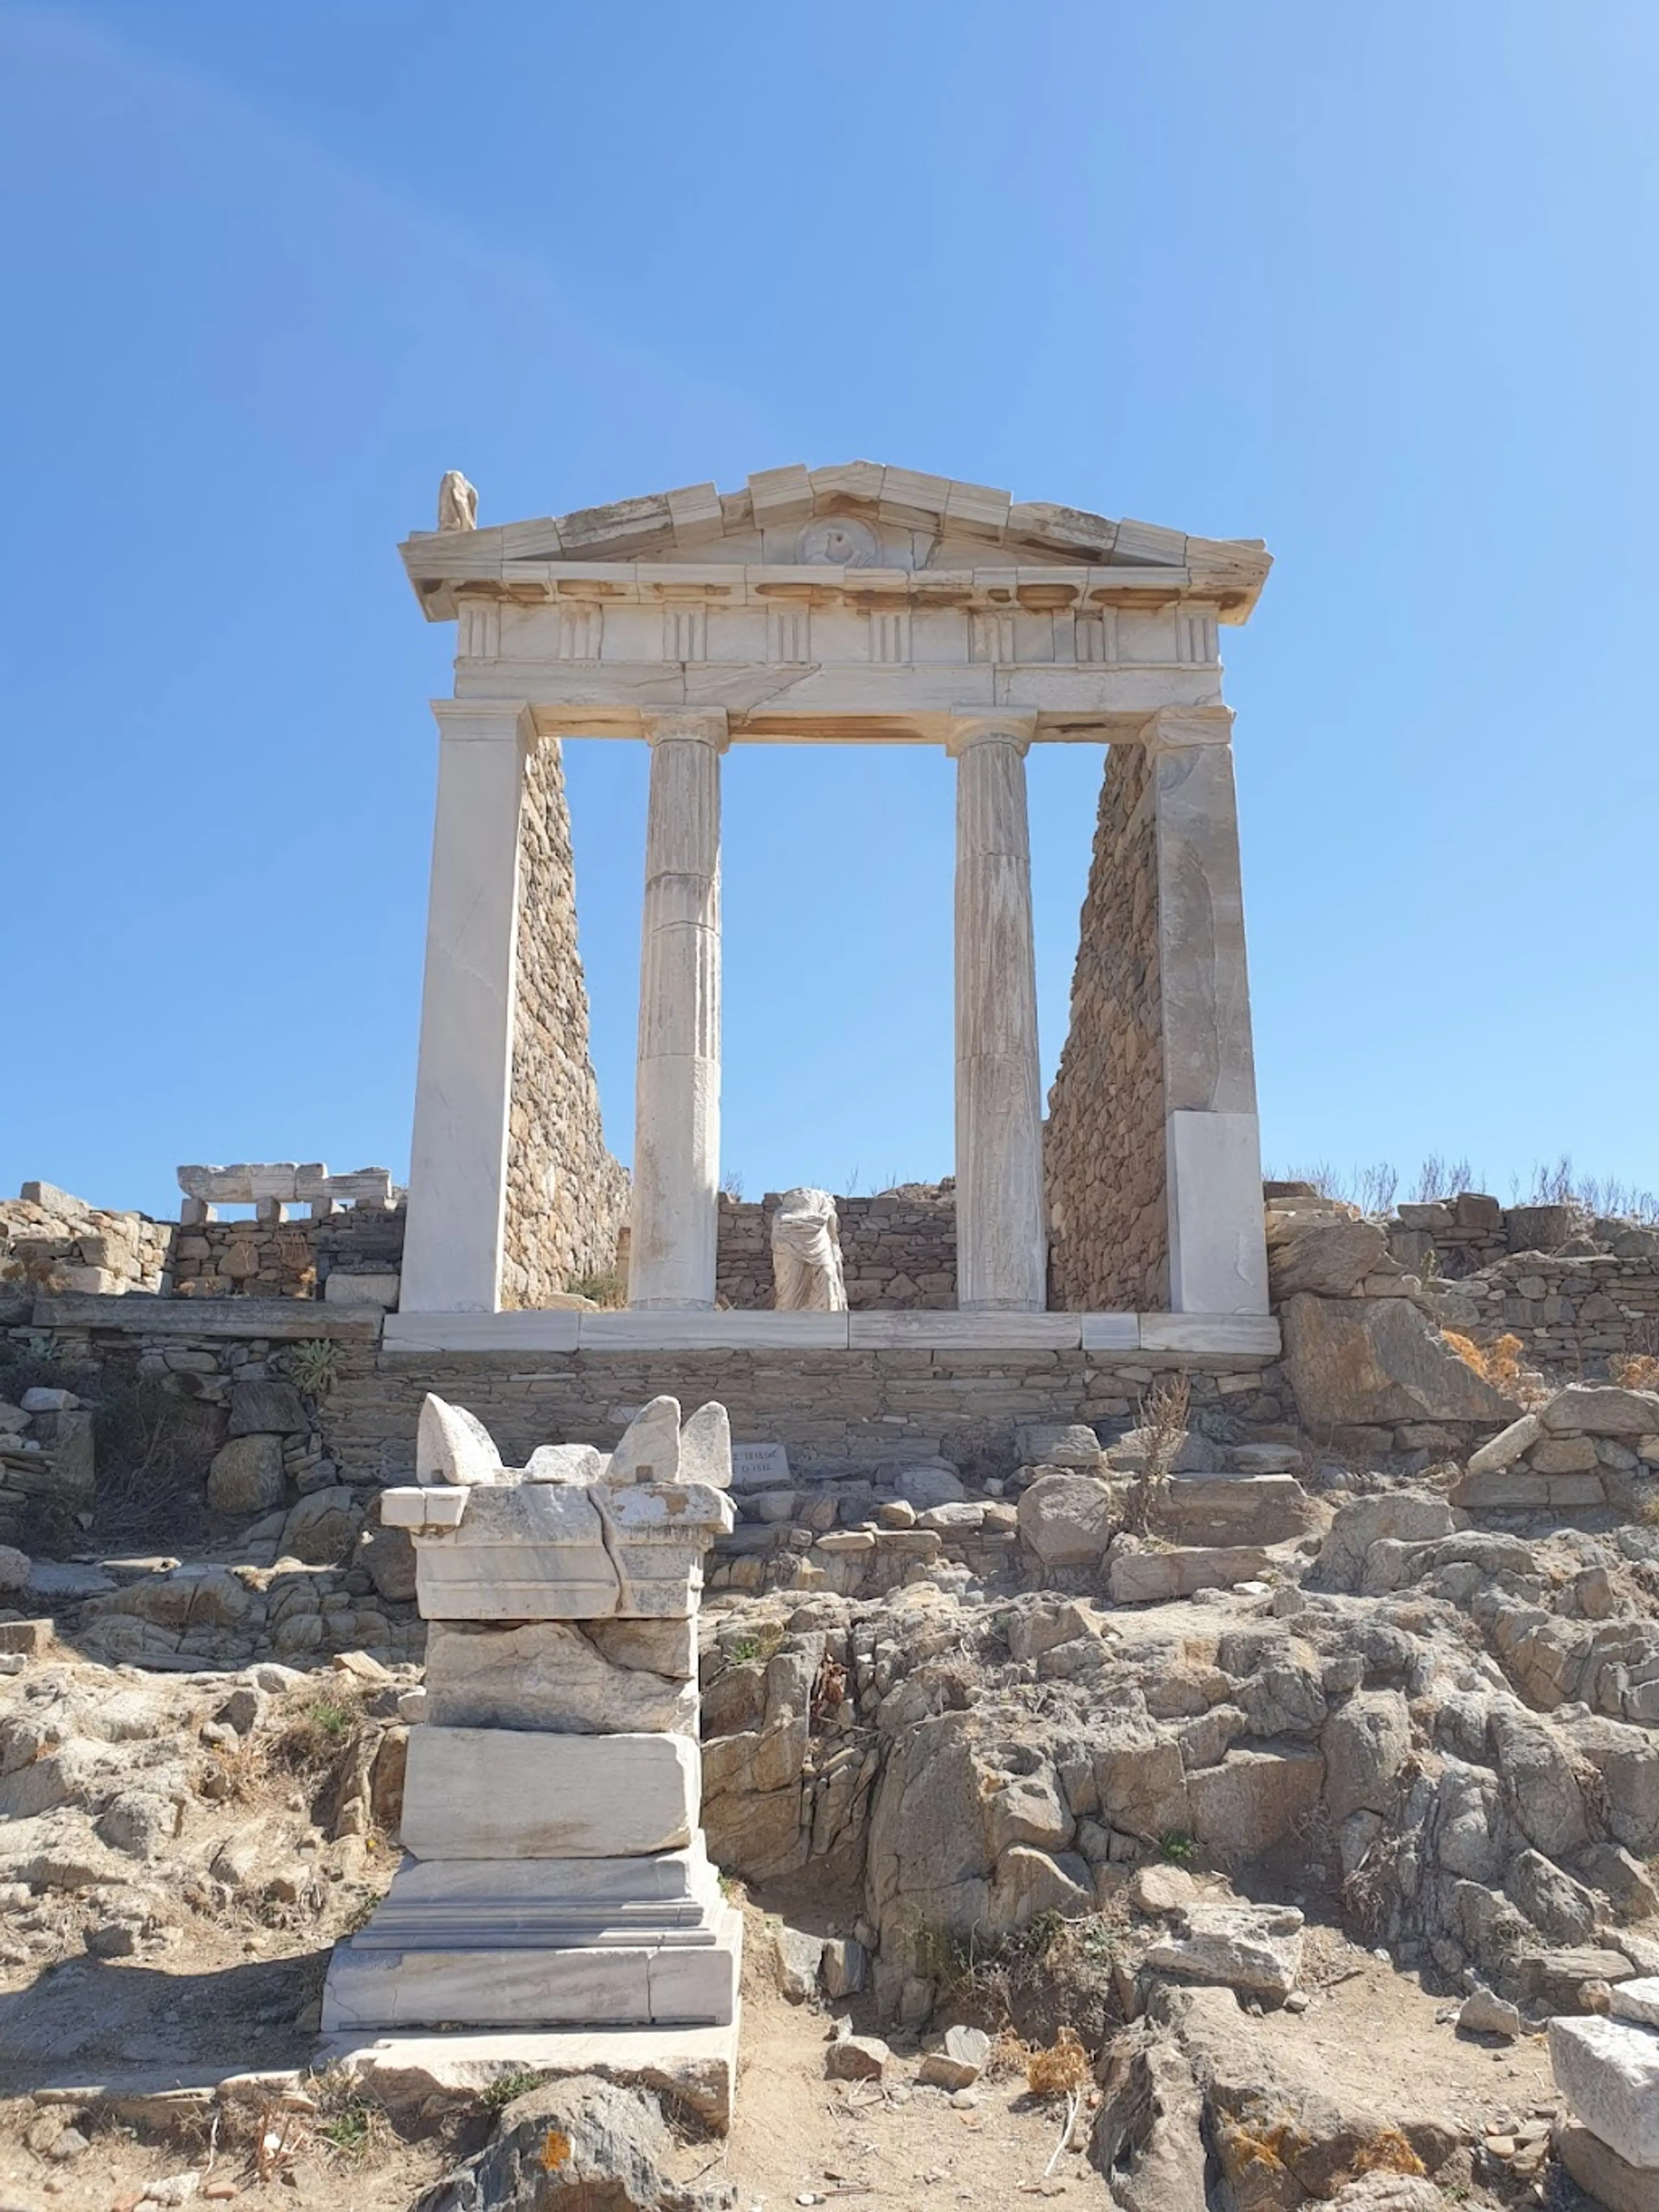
(1376, 285)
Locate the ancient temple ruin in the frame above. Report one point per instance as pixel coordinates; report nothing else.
(849, 606)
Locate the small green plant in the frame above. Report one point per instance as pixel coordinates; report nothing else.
(507, 2088)
(314, 1365)
(348, 2129)
(606, 1287)
(1175, 1845)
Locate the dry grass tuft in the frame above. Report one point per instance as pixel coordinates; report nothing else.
(1059, 2070)
(1499, 1364)
(1635, 1370)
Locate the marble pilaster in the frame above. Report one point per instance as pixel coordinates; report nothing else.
(1001, 1244)
(1218, 1255)
(451, 1260)
(678, 1089)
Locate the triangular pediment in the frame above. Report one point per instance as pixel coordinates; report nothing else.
(856, 515)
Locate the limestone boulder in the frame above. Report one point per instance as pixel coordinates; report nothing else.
(1252, 1800)
(272, 1407)
(14, 1567)
(1605, 2178)
(1562, 1909)
(387, 1557)
(1598, 1409)
(1330, 1259)
(1028, 1883)
(1051, 1443)
(1378, 1362)
(617, 2152)
(246, 1475)
(1154, 1577)
(322, 1530)
(1067, 1520)
(1365, 1742)
(1392, 1516)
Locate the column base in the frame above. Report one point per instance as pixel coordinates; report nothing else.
(482, 1943)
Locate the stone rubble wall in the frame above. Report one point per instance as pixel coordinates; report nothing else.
(286, 1259)
(566, 1195)
(833, 1410)
(1103, 1142)
(50, 1241)
(1576, 1292)
(898, 1249)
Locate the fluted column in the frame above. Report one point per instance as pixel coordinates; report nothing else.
(677, 1115)
(1001, 1244)
(452, 1259)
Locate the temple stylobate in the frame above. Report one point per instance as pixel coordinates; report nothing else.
(851, 606)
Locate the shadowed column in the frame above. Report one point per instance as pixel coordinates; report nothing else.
(1001, 1248)
(677, 1126)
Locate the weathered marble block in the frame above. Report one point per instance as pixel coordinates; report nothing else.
(590, 1985)
(546, 1675)
(449, 1904)
(501, 1794)
(569, 1551)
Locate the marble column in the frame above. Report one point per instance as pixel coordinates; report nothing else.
(1213, 1144)
(677, 1115)
(1002, 1258)
(457, 1159)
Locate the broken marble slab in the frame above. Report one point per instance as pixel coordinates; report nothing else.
(657, 1533)
(545, 1675)
(1608, 2071)
(451, 1445)
(655, 1647)
(1252, 1947)
(501, 1793)
(564, 1464)
(570, 1552)
(696, 2067)
(527, 1551)
(426, 1506)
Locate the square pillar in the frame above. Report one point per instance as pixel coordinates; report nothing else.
(1218, 1251)
(677, 1112)
(457, 1159)
(1002, 1255)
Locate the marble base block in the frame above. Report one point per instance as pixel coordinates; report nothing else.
(452, 1904)
(501, 1794)
(546, 1675)
(594, 1984)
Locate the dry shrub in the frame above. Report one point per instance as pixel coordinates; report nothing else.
(1388, 2152)
(1635, 1370)
(1164, 1412)
(1499, 1364)
(1063, 2067)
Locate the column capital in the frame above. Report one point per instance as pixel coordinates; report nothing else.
(703, 725)
(485, 721)
(975, 727)
(1173, 728)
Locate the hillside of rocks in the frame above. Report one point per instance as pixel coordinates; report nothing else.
(1183, 1812)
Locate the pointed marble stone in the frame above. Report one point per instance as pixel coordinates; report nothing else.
(650, 1448)
(451, 1445)
(705, 1447)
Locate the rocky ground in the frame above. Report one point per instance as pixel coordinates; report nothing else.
(1257, 1811)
